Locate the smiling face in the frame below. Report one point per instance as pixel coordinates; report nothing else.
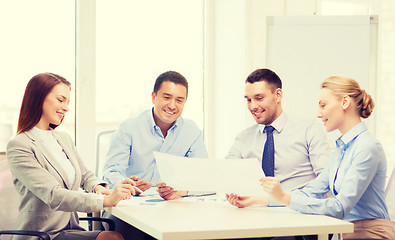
(264, 105)
(331, 110)
(55, 106)
(168, 103)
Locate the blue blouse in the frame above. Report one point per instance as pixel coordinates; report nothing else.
(356, 177)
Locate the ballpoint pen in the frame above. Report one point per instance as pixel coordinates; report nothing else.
(138, 189)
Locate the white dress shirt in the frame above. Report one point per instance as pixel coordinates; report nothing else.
(301, 149)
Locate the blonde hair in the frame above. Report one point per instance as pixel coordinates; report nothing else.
(342, 86)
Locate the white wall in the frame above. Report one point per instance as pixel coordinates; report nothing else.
(226, 68)
(386, 85)
(232, 19)
(234, 45)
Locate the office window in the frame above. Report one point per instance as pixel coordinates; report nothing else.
(36, 36)
(138, 40)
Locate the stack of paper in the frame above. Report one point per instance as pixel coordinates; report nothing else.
(240, 176)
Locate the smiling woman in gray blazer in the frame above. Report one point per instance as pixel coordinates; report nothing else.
(47, 170)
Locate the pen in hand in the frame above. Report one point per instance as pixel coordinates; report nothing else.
(135, 179)
(138, 189)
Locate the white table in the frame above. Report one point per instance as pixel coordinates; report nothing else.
(216, 219)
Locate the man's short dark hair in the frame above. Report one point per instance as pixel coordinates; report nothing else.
(267, 76)
(171, 76)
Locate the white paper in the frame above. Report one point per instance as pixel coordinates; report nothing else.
(240, 176)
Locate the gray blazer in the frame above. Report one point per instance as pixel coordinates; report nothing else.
(49, 202)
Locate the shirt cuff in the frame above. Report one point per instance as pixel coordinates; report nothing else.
(296, 199)
(96, 202)
(100, 201)
(104, 184)
(273, 203)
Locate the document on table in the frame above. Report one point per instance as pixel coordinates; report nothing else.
(240, 176)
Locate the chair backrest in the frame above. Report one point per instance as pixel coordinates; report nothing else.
(9, 198)
(6, 134)
(102, 146)
(390, 195)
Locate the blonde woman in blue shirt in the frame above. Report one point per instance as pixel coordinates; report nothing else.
(355, 175)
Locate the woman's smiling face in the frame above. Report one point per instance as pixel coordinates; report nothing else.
(330, 110)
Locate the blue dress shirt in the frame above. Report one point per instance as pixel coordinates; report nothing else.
(133, 144)
(356, 177)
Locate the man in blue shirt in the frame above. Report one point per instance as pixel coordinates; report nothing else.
(160, 129)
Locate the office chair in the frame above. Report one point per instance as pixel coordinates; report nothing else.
(102, 145)
(45, 236)
(9, 202)
(390, 195)
(40, 235)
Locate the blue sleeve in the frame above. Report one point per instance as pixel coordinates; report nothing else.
(118, 156)
(273, 203)
(356, 181)
(316, 190)
(198, 148)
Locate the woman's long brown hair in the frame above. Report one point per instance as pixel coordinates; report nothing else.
(36, 91)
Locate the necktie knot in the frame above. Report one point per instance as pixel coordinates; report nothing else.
(269, 129)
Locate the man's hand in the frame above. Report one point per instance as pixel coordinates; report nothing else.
(142, 184)
(168, 193)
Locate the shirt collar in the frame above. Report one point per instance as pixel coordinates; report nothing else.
(346, 139)
(37, 134)
(278, 124)
(154, 127)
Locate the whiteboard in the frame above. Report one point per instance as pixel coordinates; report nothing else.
(305, 50)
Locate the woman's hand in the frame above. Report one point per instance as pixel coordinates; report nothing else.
(123, 190)
(99, 189)
(272, 186)
(245, 201)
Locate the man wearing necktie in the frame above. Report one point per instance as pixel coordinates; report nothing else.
(293, 150)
